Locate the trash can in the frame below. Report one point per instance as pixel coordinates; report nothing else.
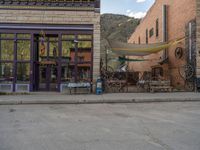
(99, 89)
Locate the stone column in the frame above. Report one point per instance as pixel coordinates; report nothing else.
(96, 50)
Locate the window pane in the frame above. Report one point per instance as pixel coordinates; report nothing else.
(67, 73)
(151, 32)
(85, 44)
(84, 59)
(7, 50)
(67, 50)
(23, 36)
(157, 28)
(23, 50)
(53, 39)
(84, 55)
(6, 72)
(81, 37)
(84, 51)
(84, 73)
(23, 72)
(65, 37)
(7, 36)
(53, 49)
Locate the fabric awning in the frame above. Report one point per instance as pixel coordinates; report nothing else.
(128, 49)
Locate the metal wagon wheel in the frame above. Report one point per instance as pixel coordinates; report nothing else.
(190, 86)
(186, 72)
(117, 85)
(107, 73)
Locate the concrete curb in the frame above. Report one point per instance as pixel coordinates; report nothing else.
(103, 101)
(167, 100)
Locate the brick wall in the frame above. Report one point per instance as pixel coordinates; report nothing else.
(198, 38)
(59, 17)
(180, 13)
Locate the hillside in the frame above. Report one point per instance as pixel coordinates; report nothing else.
(116, 27)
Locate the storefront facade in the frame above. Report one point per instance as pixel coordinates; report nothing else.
(46, 45)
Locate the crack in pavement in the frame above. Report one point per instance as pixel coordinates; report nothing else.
(154, 139)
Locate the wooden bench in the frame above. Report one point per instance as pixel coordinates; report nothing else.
(160, 86)
(81, 85)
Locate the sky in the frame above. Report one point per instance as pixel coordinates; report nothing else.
(132, 8)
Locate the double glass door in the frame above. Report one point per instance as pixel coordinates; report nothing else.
(48, 63)
(48, 78)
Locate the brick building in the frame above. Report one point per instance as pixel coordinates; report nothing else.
(167, 21)
(44, 45)
(198, 41)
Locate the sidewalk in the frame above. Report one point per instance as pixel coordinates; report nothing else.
(57, 98)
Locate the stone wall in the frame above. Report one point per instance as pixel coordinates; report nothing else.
(59, 17)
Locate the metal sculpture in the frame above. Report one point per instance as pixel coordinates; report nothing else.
(143, 83)
(186, 71)
(113, 81)
(179, 52)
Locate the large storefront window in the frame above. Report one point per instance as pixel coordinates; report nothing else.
(68, 53)
(15, 50)
(23, 73)
(84, 60)
(6, 72)
(76, 58)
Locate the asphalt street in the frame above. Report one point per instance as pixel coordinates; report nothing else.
(151, 126)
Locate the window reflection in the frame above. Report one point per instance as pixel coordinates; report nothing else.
(67, 47)
(87, 37)
(23, 72)
(84, 60)
(6, 72)
(67, 73)
(23, 50)
(7, 49)
(84, 44)
(7, 36)
(84, 73)
(68, 37)
(53, 49)
(23, 36)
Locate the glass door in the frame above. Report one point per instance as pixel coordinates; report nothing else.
(48, 63)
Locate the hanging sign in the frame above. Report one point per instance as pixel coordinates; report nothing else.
(42, 49)
(42, 46)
